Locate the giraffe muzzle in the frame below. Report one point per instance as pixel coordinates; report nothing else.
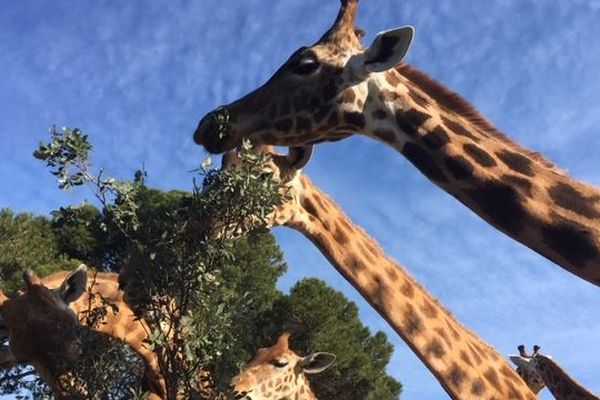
(215, 132)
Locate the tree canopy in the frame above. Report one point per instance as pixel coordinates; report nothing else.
(207, 252)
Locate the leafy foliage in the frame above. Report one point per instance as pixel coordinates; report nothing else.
(199, 267)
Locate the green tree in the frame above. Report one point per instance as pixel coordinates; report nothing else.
(322, 316)
(27, 242)
(198, 262)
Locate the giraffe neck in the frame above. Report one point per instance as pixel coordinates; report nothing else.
(304, 392)
(513, 189)
(464, 365)
(120, 324)
(560, 384)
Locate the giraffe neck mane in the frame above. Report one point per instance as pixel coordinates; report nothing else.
(454, 103)
(559, 382)
(465, 365)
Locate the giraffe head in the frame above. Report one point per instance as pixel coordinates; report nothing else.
(527, 368)
(277, 373)
(286, 169)
(320, 93)
(40, 326)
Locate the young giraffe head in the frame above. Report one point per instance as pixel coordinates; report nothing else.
(540, 371)
(41, 328)
(277, 373)
(527, 368)
(321, 93)
(286, 170)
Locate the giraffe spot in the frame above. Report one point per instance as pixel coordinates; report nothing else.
(417, 98)
(349, 96)
(436, 139)
(340, 236)
(286, 107)
(379, 114)
(517, 162)
(413, 324)
(321, 113)
(410, 121)
(333, 119)
(385, 134)
(571, 241)
(356, 265)
(273, 110)
(355, 119)
(329, 90)
(428, 309)
(459, 167)
(458, 129)
(310, 207)
(456, 375)
(392, 78)
(302, 103)
(388, 96)
(522, 184)
(283, 125)
(315, 102)
(407, 289)
(379, 294)
(492, 377)
(391, 272)
(435, 349)
(261, 125)
(465, 358)
(479, 155)
(424, 162)
(303, 124)
(267, 137)
(571, 199)
(478, 387)
(501, 204)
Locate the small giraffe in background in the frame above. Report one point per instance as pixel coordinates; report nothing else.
(336, 87)
(42, 321)
(541, 371)
(465, 366)
(277, 373)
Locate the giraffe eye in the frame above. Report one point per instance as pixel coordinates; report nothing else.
(306, 66)
(280, 363)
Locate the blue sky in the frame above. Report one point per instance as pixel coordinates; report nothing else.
(137, 76)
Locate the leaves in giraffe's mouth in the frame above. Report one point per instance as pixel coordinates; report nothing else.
(220, 119)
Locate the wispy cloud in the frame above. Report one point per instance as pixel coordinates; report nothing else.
(138, 76)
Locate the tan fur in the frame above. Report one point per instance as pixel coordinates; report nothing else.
(514, 189)
(466, 366)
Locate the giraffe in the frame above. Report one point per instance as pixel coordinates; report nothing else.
(335, 87)
(465, 366)
(541, 371)
(278, 373)
(57, 305)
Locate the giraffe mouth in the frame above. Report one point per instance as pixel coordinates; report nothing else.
(215, 131)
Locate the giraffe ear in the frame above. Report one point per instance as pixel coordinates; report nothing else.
(317, 362)
(388, 49)
(74, 285)
(519, 361)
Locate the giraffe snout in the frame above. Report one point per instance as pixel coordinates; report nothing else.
(214, 132)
